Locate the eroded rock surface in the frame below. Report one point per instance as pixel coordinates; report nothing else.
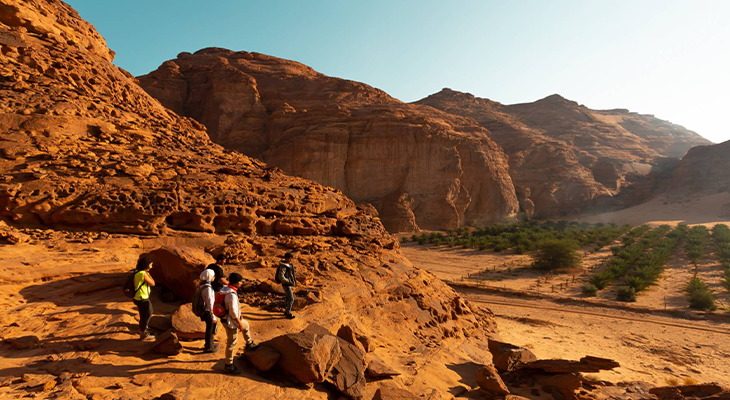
(418, 166)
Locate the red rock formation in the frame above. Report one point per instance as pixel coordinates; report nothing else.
(84, 148)
(562, 154)
(419, 167)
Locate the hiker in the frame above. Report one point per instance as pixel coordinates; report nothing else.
(208, 299)
(286, 275)
(220, 280)
(143, 284)
(232, 322)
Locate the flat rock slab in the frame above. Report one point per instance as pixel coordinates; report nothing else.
(701, 391)
(377, 369)
(586, 364)
(394, 393)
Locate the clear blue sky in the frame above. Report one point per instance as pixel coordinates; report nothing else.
(662, 57)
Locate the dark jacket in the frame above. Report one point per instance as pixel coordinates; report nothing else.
(287, 274)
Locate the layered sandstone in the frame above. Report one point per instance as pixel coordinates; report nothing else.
(83, 148)
(562, 154)
(420, 168)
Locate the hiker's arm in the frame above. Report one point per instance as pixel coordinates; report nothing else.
(148, 279)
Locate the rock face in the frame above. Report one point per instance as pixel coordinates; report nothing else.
(178, 268)
(562, 154)
(704, 170)
(418, 166)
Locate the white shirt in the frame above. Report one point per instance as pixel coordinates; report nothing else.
(233, 307)
(208, 299)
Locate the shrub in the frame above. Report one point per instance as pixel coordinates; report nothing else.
(601, 279)
(699, 295)
(626, 293)
(589, 289)
(556, 254)
(726, 279)
(421, 240)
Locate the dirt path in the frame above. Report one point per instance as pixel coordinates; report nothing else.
(649, 348)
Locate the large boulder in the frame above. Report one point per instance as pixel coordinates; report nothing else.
(264, 358)
(167, 344)
(187, 325)
(489, 380)
(348, 374)
(507, 357)
(178, 268)
(306, 355)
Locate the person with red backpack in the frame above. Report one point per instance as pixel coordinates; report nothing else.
(228, 308)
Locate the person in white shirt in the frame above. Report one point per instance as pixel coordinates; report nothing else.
(233, 322)
(211, 322)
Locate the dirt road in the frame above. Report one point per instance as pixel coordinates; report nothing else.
(650, 348)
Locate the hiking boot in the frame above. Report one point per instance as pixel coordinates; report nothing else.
(231, 369)
(212, 349)
(146, 335)
(251, 346)
(289, 316)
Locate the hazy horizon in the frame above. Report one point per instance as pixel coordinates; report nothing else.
(663, 58)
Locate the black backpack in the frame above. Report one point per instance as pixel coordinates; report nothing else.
(198, 305)
(276, 275)
(128, 288)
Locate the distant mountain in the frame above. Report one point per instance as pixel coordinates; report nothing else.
(420, 167)
(562, 155)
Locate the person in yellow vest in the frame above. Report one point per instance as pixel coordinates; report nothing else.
(143, 284)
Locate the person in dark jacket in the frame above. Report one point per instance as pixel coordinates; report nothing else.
(211, 322)
(286, 274)
(220, 280)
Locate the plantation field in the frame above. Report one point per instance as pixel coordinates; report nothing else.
(644, 267)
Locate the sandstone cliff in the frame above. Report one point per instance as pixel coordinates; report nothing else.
(421, 168)
(704, 170)
(562, 155)
(83, 148)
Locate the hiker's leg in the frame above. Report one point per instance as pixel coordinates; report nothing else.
(209, 330)
(289, 293)
(144, 309)
(232, 334)
(246, 331)
(145, 315)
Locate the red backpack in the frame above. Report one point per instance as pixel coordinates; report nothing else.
(219, 305)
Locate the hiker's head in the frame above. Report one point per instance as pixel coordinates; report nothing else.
(235, 279)
(288, 256)
(207, 275)
(220, 259)
(143, 264)
(219, 275)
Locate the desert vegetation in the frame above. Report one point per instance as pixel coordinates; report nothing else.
(699, 295)
(638, 263)
(721, 239)
(525, 237)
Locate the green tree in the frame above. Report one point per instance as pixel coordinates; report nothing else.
(554, 254)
